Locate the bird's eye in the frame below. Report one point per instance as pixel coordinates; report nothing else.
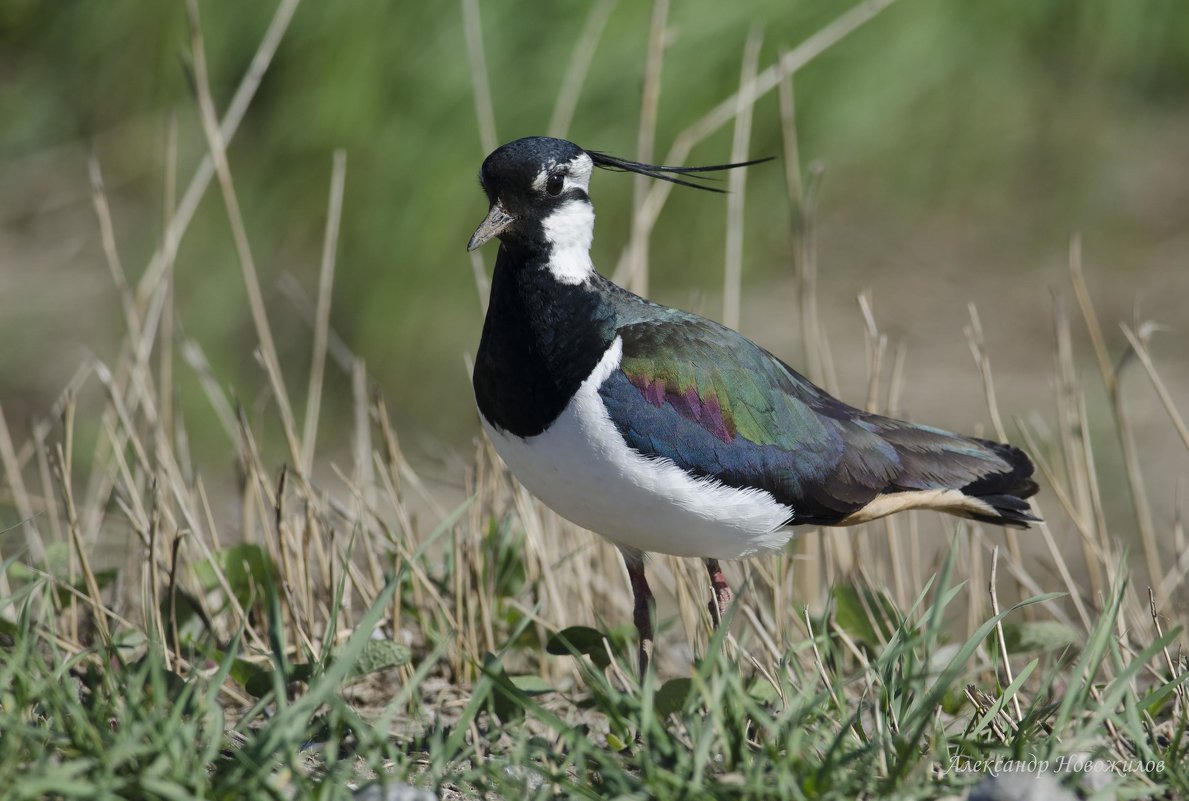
(555, 184)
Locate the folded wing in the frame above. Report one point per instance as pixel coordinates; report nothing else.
(718, 406)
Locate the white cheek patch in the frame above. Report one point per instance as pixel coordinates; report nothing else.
(569, 231)
(578, 176)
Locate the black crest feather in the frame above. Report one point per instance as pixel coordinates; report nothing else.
(685, 176)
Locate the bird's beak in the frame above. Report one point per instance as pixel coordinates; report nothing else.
(496, 222)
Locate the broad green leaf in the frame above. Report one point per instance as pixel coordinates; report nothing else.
(247, 566)
(243, 671)
(582, 640)
(57, 564)
(615, 743)
(531, 684)
(672, 696)
(375, 656)
(260, 684)
(506, 699)
(1040, 635)
(868, 616)
(378, 655)
(764, 692)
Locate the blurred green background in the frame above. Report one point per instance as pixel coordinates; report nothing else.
(963, 144)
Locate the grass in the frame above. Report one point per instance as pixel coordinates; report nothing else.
(293, 627)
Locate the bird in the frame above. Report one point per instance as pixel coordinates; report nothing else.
(667, 432)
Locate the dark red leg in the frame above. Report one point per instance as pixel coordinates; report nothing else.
(642, 614)
(720, 590)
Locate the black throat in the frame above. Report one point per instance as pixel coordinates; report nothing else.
(541, 339)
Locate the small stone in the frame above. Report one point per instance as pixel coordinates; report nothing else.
(531, 779)
(1020, 787)
(1096, 774)
(392, 791)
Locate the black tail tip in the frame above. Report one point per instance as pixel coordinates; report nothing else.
(1016, 480)
(1006, 492)
(1009, 510)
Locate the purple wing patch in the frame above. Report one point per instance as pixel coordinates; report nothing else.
(706, 412)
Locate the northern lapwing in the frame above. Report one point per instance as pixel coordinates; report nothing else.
(667, 432)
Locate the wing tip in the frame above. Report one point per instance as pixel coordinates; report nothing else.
(1011, 510)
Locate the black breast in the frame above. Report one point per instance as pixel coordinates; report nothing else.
(541, 339)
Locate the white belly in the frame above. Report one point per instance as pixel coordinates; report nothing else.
(583, 470)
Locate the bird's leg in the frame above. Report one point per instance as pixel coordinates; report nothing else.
(720, 590)
(642, 614)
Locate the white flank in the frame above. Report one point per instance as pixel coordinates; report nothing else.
(582, 469)
(942, 500)
(570, 230)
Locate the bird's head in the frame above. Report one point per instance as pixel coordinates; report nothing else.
(537, 188)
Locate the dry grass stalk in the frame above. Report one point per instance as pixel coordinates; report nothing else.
(1139, 346)
(765, 82)
(245, 92)
(1111, 378)
(636, 277)
(737, 182)
(575, 74)
(20, 494)
(334, 215)
(218, 152)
